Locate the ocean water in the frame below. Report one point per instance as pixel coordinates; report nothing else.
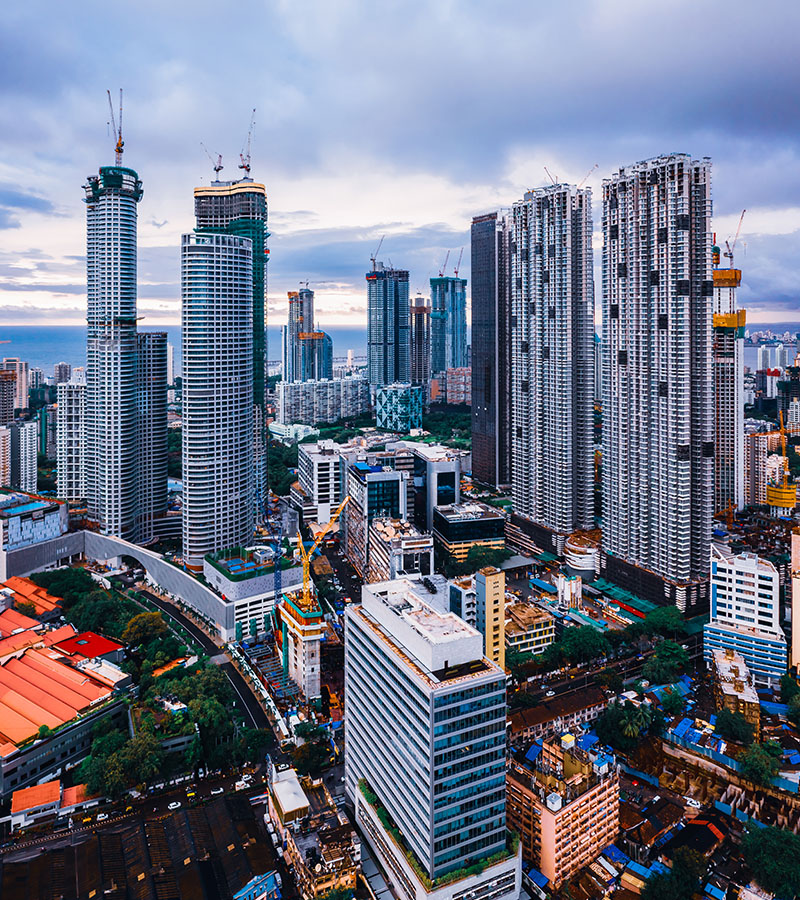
(43, 346)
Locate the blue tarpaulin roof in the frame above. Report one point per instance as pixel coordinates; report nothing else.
(544, 585)
(682, 727)
(774, 709)
(713, 891)
(614, 855)
(585, 741)
(533, 752)
(641, 871)
(537, 878)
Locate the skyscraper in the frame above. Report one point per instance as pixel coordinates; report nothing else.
(62, 372)
(425, 746)
(491, 347)
(111, 442)
(70, 455)
(388, 345)
(218, 409)
(170, 364)
(658, 430)
(552, 341)
(728, 375)
(420, 342)
(240, 208)
(151, 398)
(20, 369)
(307, 353)
(448, 323)
(8, 389)
(24, 446)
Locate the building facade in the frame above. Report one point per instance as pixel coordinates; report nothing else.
(396, 549)
(388, 313)
(317, 402)
(20, 369)
(448, 323)
(552, 343)
(490, 603)
(658, 430)
(745, 614)
(218, 408)
(458, 527)
(24, 447)
(399, 407)
(307, 353)
(318, 490)
(70, 458)
(8, 389)
(420, 342)
(375, 491)
(426, 743)
(151, 376)
(491, 348)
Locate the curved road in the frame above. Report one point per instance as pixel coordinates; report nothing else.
(251, 708)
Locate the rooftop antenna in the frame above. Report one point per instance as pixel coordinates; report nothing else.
(119, 145)
(244, 156)
(375, 254)
(218, 167)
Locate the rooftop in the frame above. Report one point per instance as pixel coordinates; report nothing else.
(463, 512)
(88, 644)
(36, 796)
(430, 624)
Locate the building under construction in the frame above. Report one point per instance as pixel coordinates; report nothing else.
(307, 353)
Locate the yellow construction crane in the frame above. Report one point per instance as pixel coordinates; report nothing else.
(305, 555)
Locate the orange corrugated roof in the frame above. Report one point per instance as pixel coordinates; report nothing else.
(16, 728)
(58, 634)
(32, 594)
(11, 620)
(35, 796)
(6, 749)
(56, 705)
(36, 714)
(47, 681)
(70, 678)
(72, 795)
(16, 642)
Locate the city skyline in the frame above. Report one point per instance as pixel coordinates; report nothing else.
(336, 187)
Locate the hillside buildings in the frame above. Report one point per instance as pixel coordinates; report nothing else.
(552, 365)
(388, 311)
(413, 752)
(218, 446)
(491, 348)
(658, 430)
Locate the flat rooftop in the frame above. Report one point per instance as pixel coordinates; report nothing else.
(431, 624)
(465, 512)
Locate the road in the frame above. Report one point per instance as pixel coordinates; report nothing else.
(247, 702)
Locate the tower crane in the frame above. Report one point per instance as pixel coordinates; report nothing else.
(550, 175)
(305, 555)
(244, 156)
(375, 254)
(217, 166)
(120, 144)
(444, 265)
(729, 252)
(586, 177)
(458, 264)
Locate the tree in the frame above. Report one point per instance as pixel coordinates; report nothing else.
(25, 608)
(144, 628)
(584, 644)
(760, 762)
(666, 621)
(789, 688)
(734, 727)
(44, 732)
(309, 731)
(611, 728)
(773, 855)
(688, 868)
(665, 666)
(311, 758)
(672, 702)
(142, 757)
(337, 894)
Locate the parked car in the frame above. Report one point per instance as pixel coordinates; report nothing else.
(216, 791)
(101, 817)
(174, 805)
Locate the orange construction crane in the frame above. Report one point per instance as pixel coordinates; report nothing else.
(305, 555)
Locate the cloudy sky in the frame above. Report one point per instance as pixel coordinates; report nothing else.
(399, 118)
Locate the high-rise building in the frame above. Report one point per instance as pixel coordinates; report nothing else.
(24, 447)
(218, 408)
(745, 614)
(307, 353)
(490, 604)
(448, 323)
(388, 344)
(317, 402)
(111, 441)
(399, 407)
(151, 396)
(425, 747)
(240, 208)
(420, 342)
(5, 456)
(8, 389)
(170, 364)
(552, 345)
(62, 372)
(491, 348)
(20, 368)
(36, 378)
(728, 375)
(762, 357)
(658, 429)
(375, 492)
(70, 457)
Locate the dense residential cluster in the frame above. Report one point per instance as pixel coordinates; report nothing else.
(509, 610)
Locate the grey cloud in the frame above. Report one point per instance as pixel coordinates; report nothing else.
(42, 287)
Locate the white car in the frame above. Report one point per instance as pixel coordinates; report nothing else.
(550, 694)
(216, 791)
(174, 805)
(695, 804)
(101, 817)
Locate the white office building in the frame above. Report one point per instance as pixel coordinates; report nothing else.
(69, 440)
(425, 741)
(658, 408)
(218, 446)
(318, 490)
(745, 614)
(552, 341)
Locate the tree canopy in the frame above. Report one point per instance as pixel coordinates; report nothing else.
(683, 880)
(773, 855)
(760, 762)
(664, 667)
(734, 727)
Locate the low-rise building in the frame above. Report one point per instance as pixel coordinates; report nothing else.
(48, 802)
(27, 520)
(557, 715)
(733, 687)
(398, 548)
(564, 803)
(458, 527)
(529, 629)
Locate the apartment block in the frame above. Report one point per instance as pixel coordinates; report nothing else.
(458, 527)
(24, 449)
(318, 489)
(529, 629)
(490, 602)
(396, 549)
(564, 802)
(317, 402)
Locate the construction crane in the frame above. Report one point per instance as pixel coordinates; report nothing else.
(244, 156)
(550, 175)
(375, 254)
(729, 252)
(444, 265)
(586, 178)
(217, 166)
(305, 555)
(120, 144)
(458, 264)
